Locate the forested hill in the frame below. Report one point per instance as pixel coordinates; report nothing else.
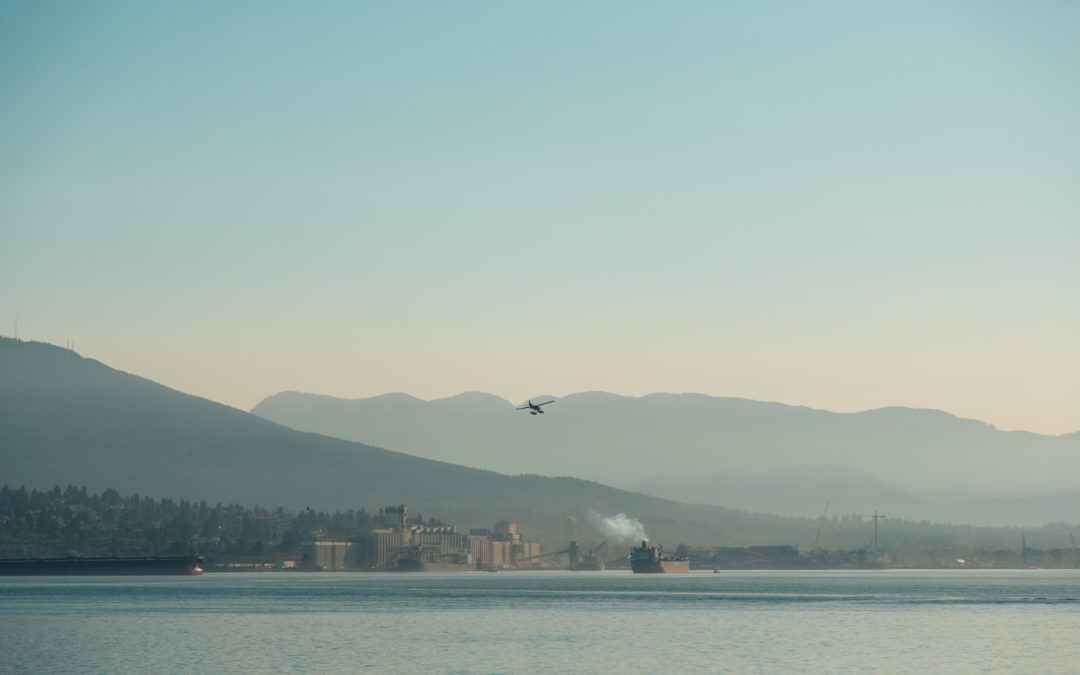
(73, 521)
(67, 419)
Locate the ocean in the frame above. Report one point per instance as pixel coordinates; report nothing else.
(895, 621)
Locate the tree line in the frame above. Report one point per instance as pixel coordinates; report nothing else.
(72, 521)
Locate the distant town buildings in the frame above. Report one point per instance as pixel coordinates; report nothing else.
(405, 546)
(500, 547)
(327, 555)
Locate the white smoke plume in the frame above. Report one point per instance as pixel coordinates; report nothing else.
(620, 526)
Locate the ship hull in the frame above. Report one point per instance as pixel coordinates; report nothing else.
(169, 565)
(660, 567)
(590, 566)
(412, 565)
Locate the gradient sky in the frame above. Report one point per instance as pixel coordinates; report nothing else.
(838, 204)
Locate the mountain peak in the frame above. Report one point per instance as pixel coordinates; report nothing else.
(479, 399)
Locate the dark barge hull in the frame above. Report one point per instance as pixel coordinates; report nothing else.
(413, 565)
(664, 566)
(171, 565)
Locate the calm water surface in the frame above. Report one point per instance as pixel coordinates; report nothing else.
(963, 621)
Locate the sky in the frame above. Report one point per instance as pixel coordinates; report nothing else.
(844, 205)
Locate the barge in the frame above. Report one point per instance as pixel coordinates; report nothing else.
(103, 566)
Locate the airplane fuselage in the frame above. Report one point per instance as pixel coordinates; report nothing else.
(535, 408)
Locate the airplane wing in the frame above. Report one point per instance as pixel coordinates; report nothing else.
(524, 407)
(544, 403)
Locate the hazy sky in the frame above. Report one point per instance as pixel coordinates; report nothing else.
(842, 205)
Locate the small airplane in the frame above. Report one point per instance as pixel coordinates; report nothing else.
(534, 408)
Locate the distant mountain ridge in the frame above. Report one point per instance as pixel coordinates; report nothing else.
(67, 419)
(1056, 508)
(796, 491)
(932, 455)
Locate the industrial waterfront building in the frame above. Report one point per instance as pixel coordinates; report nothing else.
(400, 544)
(327, 555)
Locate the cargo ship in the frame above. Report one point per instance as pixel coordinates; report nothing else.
(647, 559)
(150, 565)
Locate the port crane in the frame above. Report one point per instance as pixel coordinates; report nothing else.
(821, 524)
(591, 562)
(877, 516)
